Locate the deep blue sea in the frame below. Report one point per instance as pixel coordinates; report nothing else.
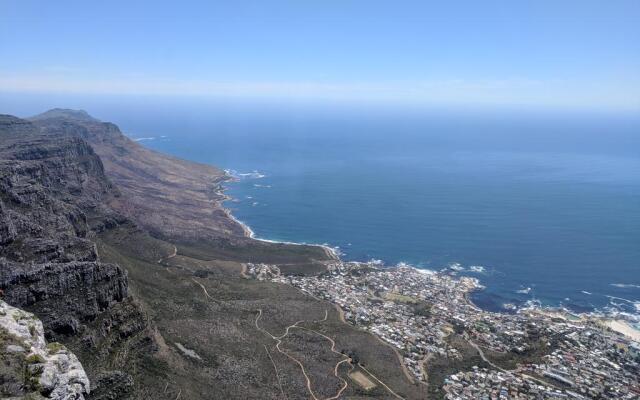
(540, 207)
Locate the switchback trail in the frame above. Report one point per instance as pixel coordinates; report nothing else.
(279, 339)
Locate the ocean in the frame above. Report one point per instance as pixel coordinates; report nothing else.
(543, 208)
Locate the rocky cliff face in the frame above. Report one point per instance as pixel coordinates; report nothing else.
(52, 195)
(64, 295)
(54, 198)
(171, 198)
(52, 188)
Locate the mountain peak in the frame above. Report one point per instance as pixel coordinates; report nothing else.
(78, 115)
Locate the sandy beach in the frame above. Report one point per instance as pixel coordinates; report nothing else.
(624, 328)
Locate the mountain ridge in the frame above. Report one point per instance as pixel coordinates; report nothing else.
(80, 115)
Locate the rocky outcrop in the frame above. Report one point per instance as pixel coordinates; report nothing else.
(52, 191)
(35, 368)
(64, 295)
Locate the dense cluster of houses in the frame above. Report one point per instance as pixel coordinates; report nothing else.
(416, 312)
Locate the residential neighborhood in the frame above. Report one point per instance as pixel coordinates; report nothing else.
(529, 354)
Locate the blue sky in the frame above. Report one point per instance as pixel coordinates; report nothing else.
(558, 54)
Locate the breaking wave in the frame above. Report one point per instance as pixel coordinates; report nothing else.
(245, 175)
(619, 298)
(625, 285)
(477, 268)
(455, 267)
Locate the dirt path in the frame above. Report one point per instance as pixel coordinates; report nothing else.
(326, 315)
(380, 382)
(304, 372)
(484, 358)
(175, 252)
(423, 366)
(277, 373)
(406, 372)
(243, 271)
(279, 339)
(345, 384)
(204, 289)
(340, 313)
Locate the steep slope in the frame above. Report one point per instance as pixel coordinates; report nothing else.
(53, 201)
(52, 196)
(173, 199)
(168, 196)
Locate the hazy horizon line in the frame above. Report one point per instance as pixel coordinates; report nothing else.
(510, 92)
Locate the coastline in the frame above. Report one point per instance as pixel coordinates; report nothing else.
(331, 253)
(467, 298)
(334, 255)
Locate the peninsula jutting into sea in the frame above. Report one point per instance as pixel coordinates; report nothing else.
(123, 277)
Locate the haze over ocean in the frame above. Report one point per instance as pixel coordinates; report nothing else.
(538, 206)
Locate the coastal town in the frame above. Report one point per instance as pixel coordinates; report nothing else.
(427, 316)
